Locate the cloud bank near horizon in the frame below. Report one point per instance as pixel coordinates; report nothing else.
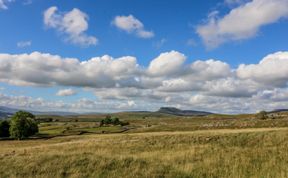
(122, 84)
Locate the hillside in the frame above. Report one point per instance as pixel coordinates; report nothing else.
(6, 112)
(279, 111)
(163, 111)
(178, 112)
(212, 153)
(4, 115)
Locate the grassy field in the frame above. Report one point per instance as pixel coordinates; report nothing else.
(260, 152)
(151, 146)
(146, 122)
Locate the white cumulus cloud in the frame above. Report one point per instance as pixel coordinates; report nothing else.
(46, 69)
(168, 80)
(242, 22)
(130, 24)
(272, 70)
(73, 24)
(167, 63)
(66, 92)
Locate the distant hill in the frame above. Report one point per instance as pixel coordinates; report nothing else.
(279, 110)
(179, 112)
(7, 112)
(4, 115)
(54, 113)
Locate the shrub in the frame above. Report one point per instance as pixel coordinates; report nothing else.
(124, 123)
(107, 120)
(23, 125)
(115, 121)
(101, 123)
(262, 115)
(4, 128)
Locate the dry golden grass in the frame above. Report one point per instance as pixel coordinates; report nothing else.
(214, 153)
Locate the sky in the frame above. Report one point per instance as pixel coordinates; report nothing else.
(226, 56)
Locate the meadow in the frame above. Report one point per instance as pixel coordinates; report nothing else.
(151, 122)
(151, 146)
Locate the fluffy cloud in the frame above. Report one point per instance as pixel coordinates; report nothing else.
(121, 83)
(179, 84)
(242, 22)
(130, 24)
(194, 77)
(73, 24)
(273, 95)
(128, 105)
(20, 101)
(45, 69)
(210, 69)
(271, 70)
(66, 92)
(23, 44)
(231, 87)
(167, 72)
(166, 64)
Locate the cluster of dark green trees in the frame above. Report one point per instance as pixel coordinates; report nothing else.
(20, 126)
(112, 121)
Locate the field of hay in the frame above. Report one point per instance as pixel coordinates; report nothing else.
(152, 145)
(252, 152)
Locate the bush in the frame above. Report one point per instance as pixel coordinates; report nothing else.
(101, 123)
(107, 120)
(23, 125)
(262, 115)
(124, 123)
(115, 121)
(4, 129)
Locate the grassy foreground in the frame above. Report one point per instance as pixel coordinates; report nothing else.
(261, 152)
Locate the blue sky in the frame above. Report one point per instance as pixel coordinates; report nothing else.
(215, 30)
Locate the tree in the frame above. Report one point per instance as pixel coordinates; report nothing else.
(23, 125)
(107, 120)
(115, 121)
(101, 123)
(4, 128)
(112, 121)
(262, 115)
(32, 127)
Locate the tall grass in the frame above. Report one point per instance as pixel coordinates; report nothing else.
(222, 153)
